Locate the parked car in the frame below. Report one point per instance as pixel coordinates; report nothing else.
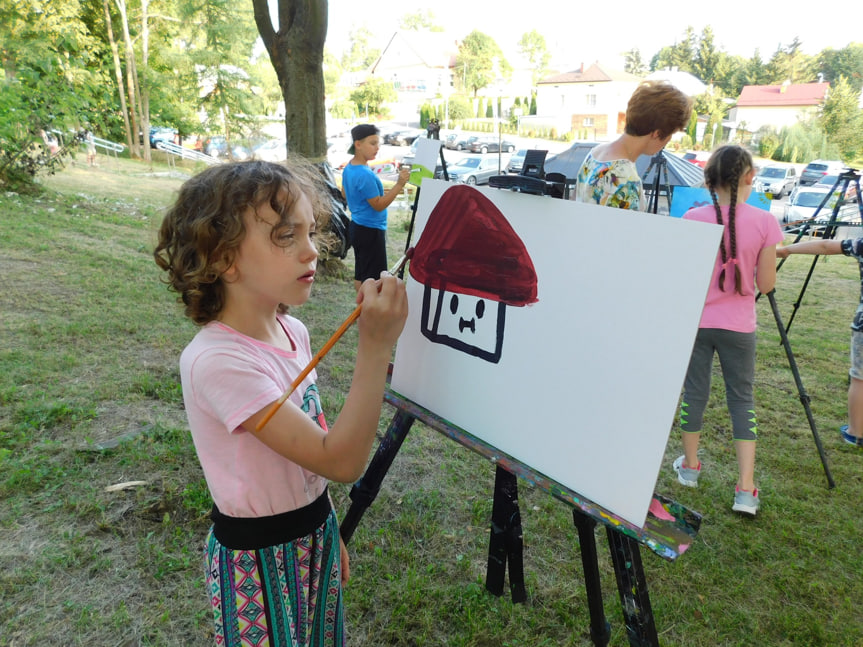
(473, 170)
(699, 158)
(816, 169)
(491, 145)
(274, 150)
(402, 137)
(460, 142)
(776, 180)
(516, 160)
(829, 181)
(804, 202)
(162, 134)
(217, 146)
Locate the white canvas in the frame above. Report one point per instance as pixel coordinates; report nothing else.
(586, 386)
(425, 160)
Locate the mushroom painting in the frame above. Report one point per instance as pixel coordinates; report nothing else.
(473, 266)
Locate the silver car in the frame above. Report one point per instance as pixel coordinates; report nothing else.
(473, 170)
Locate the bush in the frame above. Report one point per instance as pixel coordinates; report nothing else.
(23, 153)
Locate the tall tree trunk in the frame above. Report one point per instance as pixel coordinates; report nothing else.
(297, 53)
(144, 87)
(118, 71)
(131, 82)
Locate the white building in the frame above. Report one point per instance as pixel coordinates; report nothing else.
(589, 101)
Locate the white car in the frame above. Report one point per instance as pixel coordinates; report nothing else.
(776, 180)
(805, 201)
(274, 150)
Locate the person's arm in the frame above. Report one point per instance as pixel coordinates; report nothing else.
(820, 246)
(341, 454)
(381, 202)
(765, 269)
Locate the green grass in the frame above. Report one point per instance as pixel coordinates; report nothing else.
(89, 397)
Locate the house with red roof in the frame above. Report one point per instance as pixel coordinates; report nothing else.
(777, 106)
(589, 100)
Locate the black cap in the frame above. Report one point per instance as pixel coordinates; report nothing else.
(362, 131)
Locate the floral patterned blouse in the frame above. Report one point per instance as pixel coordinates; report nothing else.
(612, 184)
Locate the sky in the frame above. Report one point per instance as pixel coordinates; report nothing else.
(584, 32)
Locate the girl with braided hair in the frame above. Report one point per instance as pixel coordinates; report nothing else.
(746, 259)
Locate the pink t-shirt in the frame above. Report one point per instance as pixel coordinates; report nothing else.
(756, 229)
(227, 377)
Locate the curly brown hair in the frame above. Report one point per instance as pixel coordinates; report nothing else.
(657, 105)
(201, 232)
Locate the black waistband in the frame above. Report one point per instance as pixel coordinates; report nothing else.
(252, 533)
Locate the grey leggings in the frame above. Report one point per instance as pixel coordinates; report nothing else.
(736, 352)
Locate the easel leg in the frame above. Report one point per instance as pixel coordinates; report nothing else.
(804, 397)
(505, 544)
(600, 630)
(634, 597)
(364, 491)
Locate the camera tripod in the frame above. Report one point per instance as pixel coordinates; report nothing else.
(661, 165)
(845, 179)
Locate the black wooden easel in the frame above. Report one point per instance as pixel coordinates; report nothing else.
(669, 536)
(845, 179)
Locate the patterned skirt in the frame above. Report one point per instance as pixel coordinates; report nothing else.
(285, 595)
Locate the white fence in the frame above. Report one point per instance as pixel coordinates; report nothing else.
(175, 150)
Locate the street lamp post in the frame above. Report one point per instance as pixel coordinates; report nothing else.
(499, 125)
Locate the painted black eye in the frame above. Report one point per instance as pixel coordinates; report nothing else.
(453, 304)
(480, 309)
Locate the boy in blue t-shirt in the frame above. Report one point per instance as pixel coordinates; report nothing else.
(852, 433)
(368, 204)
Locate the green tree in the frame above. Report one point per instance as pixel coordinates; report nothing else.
(802, 142)
(692, 126)
(360, 55)
(680, 55)
(47, 55)
(420, 21)
(459, 107)
(533, 47)
(224, 35)
(481, 62)
(847, 62)
(713, 105)
(791, 64)
(373, 95)
(633, 63)
(706, 57)
(842, 119)
(751, 71)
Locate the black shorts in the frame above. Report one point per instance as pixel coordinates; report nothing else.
(370, 251)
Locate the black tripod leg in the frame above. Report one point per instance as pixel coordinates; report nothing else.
(505, 544)
(600, 629)
(364, 491)
(804, 397)
(632, 586)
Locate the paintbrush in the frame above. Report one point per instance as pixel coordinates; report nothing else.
(325, 349)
